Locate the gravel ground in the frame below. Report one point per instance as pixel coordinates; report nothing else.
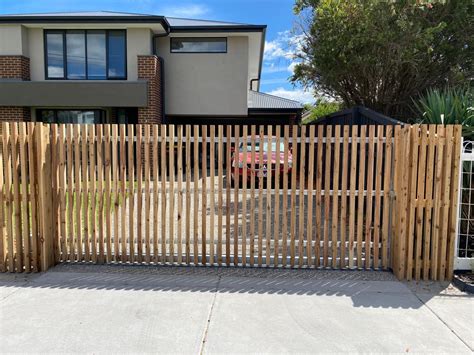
(267, 273)
(206, 224)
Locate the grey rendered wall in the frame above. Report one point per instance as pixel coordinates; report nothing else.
(13, 40)
(203, 83)
(82, 93)
(36, 49)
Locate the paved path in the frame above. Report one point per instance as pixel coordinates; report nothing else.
(116, 309)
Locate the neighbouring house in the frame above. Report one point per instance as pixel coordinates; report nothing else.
(110, 67)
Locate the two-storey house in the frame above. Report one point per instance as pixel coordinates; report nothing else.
(108, 67)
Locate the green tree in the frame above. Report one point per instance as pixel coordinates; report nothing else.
(321, 109)
(381, 54)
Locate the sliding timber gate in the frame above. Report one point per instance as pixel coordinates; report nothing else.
(365, 197)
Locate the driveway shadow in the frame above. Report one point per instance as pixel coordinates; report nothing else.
(371, 289)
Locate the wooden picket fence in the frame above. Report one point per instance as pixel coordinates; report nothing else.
(366, 197)
(427, 188)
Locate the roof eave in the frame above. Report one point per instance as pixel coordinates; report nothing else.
(220, 28)
(85, 19)
(275, 110)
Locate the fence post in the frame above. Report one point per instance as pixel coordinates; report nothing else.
(45, 195)
(454, 199)
(402, 152)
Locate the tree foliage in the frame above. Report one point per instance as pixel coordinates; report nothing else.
(321, 109)
(380, 54)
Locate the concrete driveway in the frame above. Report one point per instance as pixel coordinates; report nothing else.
(120, 309)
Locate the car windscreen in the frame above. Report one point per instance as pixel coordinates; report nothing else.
(265, 147)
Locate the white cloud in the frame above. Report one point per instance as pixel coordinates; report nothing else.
(279, 54)
(274, 50)
(291, 67)
(300, 95)
(284, 46)
(186, 11)
(270, 68)
(55, 71)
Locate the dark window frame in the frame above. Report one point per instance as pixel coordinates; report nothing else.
(198, 38)
(63, 32)
(45, 42)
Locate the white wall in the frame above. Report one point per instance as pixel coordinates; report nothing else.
(206, 84)
(139, 42)
(13, 40)
(36, 49)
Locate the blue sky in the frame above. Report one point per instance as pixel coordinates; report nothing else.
(277, 14)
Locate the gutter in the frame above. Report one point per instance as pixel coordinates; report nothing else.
(86, 19)
(275, 110)
(223, 28)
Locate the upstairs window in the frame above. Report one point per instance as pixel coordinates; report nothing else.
(198, 45)
(86, 54)
(55, 55)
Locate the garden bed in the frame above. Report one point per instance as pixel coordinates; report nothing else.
(464, 281)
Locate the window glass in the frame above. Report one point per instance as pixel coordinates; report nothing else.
(71, 116)
(55, 55)
(76, 54)
(116, 54)
(198, 45)
(86, 54)
(96, 55)
(273, 147)
(127, 115)
(76, 116)
(47, 116)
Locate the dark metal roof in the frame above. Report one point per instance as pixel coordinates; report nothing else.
(85, 17)
(169, 23)
(177, 22)
(78, 13)
(261, 101)
(357, 115)
(187, 25)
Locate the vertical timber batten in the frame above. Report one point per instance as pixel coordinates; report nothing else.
(77, 200)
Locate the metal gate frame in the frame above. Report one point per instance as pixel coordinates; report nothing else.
(467, 155)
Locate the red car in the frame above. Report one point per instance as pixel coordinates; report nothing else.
(266, 167)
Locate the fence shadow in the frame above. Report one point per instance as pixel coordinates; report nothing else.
(366, 289)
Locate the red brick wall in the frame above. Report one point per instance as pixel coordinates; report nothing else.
(149, 68)
(15, 113)
(14, 67)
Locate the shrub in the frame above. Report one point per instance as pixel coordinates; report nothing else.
(448, 106)
(321, 109)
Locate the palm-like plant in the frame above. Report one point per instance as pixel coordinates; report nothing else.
(448, 106)
(451, 106)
